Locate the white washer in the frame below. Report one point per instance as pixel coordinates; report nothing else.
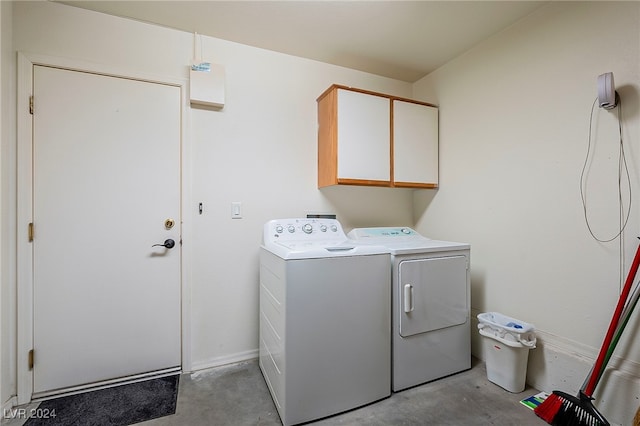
(325, 319)
(431, 333)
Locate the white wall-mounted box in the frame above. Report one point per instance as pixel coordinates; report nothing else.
(206, 84)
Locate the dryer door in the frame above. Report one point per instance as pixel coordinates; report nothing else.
(432, 294)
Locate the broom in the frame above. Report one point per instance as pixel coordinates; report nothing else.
(562, 409)
(626, 316)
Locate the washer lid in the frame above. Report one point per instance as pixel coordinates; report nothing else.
(312, 238)
(317, 250)
(403, 240)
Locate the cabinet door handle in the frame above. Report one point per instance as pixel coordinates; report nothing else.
(408, 298)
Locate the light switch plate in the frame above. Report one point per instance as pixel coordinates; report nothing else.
(236, 210)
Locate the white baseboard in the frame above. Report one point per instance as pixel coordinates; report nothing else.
(224, 360)
(8, 405)
(561, 364)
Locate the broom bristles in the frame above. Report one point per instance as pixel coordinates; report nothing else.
(549, 408)
(562, 409)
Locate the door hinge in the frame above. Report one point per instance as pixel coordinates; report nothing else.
(31, 104)
(31, 359)
(30, 232)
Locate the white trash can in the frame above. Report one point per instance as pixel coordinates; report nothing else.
(507, 342)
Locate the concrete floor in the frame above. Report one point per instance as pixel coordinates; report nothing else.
(236, 395)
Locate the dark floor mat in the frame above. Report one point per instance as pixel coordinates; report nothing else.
(117, 406)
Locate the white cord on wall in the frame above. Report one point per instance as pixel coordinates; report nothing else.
(623, 172)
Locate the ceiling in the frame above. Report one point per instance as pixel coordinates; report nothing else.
(404, 40)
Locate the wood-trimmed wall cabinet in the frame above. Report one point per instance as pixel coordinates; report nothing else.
(372, 139)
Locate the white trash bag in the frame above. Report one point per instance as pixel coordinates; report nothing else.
(507, 329)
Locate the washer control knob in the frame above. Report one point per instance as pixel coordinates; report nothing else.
(279, 229)
(405, 231)
(291, 229)
(334, 228)
(307, 228)
(323, 228)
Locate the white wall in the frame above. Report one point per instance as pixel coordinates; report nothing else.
(514, 117)
(514, 125)
(7, 215)
(260, 150)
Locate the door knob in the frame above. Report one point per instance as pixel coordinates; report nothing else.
(169, 243)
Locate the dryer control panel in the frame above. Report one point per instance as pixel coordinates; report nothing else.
(382, 232)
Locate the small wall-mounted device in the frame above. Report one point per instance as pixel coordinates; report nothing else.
(206, 79)
(207, 84)
(606, 91)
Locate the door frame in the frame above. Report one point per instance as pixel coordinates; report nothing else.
(24, 174)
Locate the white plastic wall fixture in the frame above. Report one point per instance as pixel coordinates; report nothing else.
(206, 85)
(606, 91)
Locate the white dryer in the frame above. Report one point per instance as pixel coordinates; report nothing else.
(431, 333)
(325, 319)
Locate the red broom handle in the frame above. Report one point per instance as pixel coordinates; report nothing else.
(593, 379)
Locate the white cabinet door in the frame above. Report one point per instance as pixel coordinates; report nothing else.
(364, 131)
(415, 141)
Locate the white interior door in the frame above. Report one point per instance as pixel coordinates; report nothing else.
(106, 164)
